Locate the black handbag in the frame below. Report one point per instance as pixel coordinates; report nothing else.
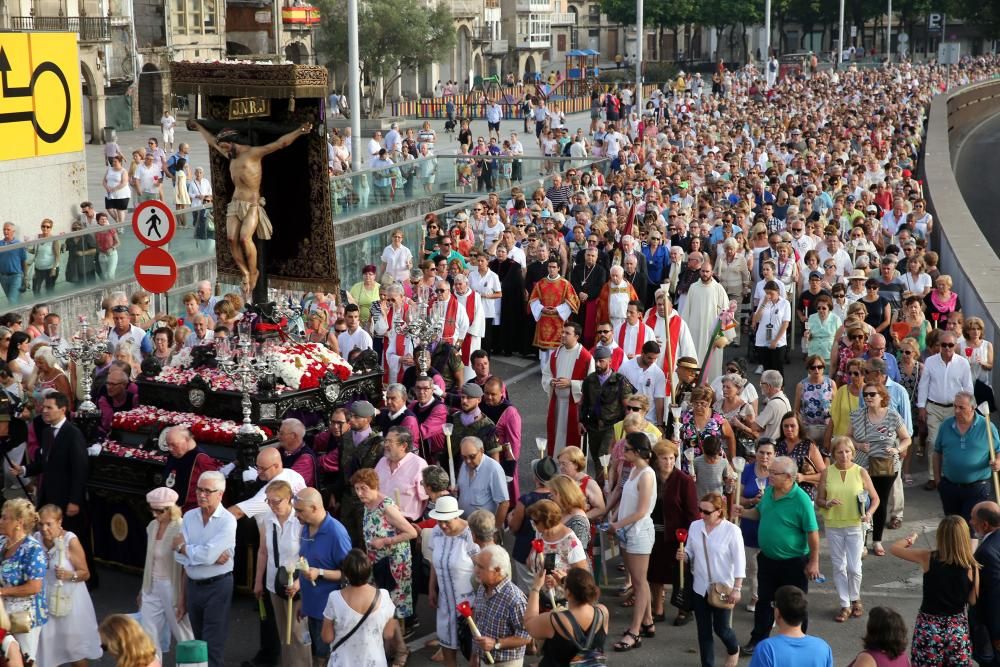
(281, 581)
(382, 574)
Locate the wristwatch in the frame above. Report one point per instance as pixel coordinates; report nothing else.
(321, 574)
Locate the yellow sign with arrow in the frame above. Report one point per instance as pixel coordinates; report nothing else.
(40, 95)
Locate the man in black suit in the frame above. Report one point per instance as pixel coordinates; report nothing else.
(62, 462)
(984, 620)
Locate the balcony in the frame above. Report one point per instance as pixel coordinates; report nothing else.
(536, 41)
(89, 28)
(533, 6)
(466, 7)
(495, 47)
(563, 18)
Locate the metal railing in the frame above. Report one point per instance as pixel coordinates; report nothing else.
(89, 28)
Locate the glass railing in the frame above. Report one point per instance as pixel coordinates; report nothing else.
(88, 261)
(97, 255)
(379, 188)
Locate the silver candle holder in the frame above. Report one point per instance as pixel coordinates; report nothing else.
(82, 350)
(247, 363)
(422, 325)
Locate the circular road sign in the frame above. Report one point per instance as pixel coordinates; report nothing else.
(153, 223)
(155, 270)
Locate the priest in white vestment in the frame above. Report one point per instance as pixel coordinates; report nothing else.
(562, 382)
(707, 298)
(477, 321)
(633, 332)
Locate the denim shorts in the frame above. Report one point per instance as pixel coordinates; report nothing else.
(638, 538)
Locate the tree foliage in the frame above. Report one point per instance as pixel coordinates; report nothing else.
(393, 36)
(984, 15)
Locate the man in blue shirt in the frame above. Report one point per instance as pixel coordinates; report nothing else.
(13, 264)
(791, 647)
(962, 458)
(205, 548)
(324, 545)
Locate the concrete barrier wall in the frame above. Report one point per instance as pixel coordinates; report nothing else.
(965, 253)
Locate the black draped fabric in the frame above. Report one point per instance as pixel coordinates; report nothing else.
(512, 306)
(641, 286)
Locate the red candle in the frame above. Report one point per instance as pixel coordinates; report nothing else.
(537, 545)
(682, 535)
(968, 351)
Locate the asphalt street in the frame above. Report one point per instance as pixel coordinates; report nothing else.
(975, 170)
(887, 581)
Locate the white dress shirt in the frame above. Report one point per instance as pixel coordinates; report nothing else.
(288, 545)
(205, 542)
(940, 382)
(725, 554)
(257, 505)
(649, 381)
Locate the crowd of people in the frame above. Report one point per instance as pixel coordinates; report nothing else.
(767, 216)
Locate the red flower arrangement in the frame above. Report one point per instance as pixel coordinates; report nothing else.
(204, 429)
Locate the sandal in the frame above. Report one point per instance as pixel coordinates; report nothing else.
(843, 614)
(621, 646)
(878, 549)
(629, 601)
(908, 480)
(894, 523)
(647, 630)
(857, 609)
(625, 591)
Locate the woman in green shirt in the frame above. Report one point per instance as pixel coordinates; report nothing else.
(365, 293)
(821, 327)
(839, 488)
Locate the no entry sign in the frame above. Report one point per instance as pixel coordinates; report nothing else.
(153, 223)
(156, 270)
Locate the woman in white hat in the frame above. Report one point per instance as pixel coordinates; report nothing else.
(162, 594)
(452, 548)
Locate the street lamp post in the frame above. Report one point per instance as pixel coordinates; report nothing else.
(888, 35)
(354, 83)
(767, 35)
(639, 35)
(840, 39)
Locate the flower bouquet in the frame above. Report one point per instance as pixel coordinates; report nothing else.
(204, 429)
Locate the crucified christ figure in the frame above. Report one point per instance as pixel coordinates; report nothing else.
(245, 214)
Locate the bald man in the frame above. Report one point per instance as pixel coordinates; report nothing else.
(324, 545)
(986, 612)
(269, 468)
(184, 465)
(206, 302)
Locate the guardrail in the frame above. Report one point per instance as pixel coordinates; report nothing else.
(965, 253)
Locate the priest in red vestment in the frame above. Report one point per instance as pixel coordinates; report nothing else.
(552, 301)
(678, 336)
(397, 350)
(562, 380)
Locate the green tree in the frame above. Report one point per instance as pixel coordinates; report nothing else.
(660, 15)
(394, 36)
(721, 14)
(985, 16)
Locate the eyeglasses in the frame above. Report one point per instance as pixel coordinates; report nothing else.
(263, 468)
(120, 309)
(274, 502)
(470, 457)
(907, 352)
(817, 367)
(855, 373)
(207, 492)
(707, 512)
(948, 345)
(858, 337)
(158, 510)
(870, 394)
(440, 291)
(633, 408)
(427, 388)
(603, 331)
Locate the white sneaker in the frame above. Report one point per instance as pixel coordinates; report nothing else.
(759, 369)
(752, 605)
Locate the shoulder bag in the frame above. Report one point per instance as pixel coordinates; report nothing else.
(879, 466)
(281, 579)
(361, 621)
(719, 595)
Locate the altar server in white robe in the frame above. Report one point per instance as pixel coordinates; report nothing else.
(472, 304)
(681, 342)
(562, 381)
(397, 352)
(633, 332)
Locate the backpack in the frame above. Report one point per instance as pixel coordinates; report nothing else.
(585, 655)
(172, 165)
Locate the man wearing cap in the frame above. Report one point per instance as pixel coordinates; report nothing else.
(469, 421)
(632, 334)
(184, 465)
(562, 382)
(674, 339)
(617, 293)
(359, 448)
(552, 301)
(602, 405)
(705, 302)
(158, 599)
(482, 483)
(470, 302)
(354, 338)
(205, 548)
(588, 277)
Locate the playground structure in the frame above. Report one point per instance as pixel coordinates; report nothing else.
(582, 71)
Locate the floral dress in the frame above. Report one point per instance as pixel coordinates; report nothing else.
(910, 382)
(376, 524)
(692, 437)
(816, 399)
(800, 454)
(29, 562)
